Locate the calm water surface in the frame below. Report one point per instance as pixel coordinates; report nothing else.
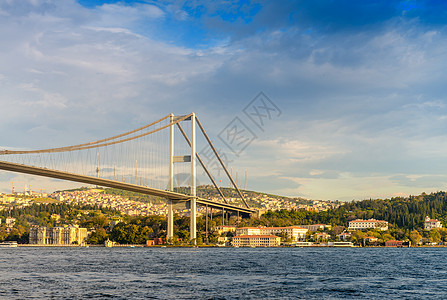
(223, 273)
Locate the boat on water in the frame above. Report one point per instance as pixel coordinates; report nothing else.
(11, 244)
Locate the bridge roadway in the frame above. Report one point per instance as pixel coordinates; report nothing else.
(175, 197)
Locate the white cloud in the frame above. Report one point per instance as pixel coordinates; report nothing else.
(358, 107)
(126, 16)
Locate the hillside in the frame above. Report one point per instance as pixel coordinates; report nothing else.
(208, 191)
(406, 213)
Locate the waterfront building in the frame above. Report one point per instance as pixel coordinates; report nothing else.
(109, 243)
(9, 244)
(294, 232)
(430, 224)
(57, 235)
(158, 241)
(393, 243)
(256, 241)
(367, 224)
(303, 244)
(340, 244)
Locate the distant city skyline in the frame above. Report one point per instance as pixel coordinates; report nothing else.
(356, 90)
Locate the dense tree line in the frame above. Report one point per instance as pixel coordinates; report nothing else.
(406, 213)
(44, 215)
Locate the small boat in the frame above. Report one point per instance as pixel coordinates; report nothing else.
(11, 244)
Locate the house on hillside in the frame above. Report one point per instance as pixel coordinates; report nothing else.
(430, 224)
(344, 236)
(321, 236)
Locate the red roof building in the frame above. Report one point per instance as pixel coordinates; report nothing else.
(393, 243)
(429, 224)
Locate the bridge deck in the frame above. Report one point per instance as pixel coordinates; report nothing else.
(8, 166)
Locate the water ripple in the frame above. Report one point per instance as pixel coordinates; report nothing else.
(222, 273)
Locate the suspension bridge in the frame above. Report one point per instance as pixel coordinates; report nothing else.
(151, 160)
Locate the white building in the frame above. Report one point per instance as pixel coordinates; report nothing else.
(345, 236)
(367, 224)
(225, 228)
(294, 232)
(315, 227)
(248, 231)
(10, 221)
(57, 235)
(256, 241)
(429, 224)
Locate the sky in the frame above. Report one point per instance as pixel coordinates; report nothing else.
(339, 100)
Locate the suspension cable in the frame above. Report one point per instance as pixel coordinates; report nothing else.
(202, 163)
(100, 143)
(221, 162)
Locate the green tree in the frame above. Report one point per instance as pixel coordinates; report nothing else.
(357, 236)
(435, 236)
(97, 237)
(415, 237)
(387, 237)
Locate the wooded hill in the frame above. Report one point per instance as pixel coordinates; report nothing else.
(406, 213)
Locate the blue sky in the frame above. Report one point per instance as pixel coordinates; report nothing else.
(360, 84)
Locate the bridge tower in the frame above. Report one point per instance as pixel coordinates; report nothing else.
(187, 158)
(170, 216)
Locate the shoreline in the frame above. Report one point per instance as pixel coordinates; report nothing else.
(207, 246)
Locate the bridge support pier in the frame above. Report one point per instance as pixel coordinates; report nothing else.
(193, 224)
(206, 224)
(193, 193)
(170, 221)
(170, 217)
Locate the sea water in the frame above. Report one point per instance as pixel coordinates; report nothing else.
(223, 273)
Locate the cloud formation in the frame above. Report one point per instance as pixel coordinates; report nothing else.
(361, 85)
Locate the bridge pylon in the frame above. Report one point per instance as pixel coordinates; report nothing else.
(170, 216)
(193, 223)
(193, 175)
